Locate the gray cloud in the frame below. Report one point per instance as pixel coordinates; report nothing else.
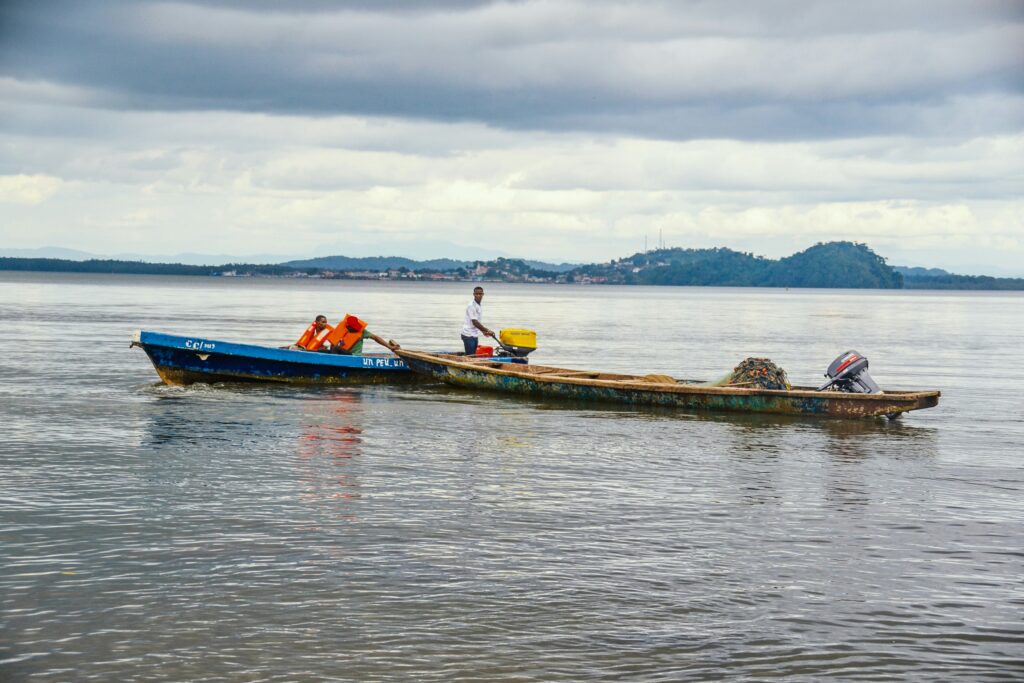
(787, 70)
(577, 127)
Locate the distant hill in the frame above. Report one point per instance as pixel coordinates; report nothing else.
(551, 267)
(937, 278)
(829, 265)
(48, 252)
(978, 282)
(185, 258)
(54, 265)
(835, 264)
(383, 263)
(915, 271)
(375, 263)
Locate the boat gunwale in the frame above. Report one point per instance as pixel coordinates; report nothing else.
(636, 381)
(260, 352)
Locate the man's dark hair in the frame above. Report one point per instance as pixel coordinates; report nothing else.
(321, 318)
(475, 289)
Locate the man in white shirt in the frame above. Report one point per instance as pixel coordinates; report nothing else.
(473, 325)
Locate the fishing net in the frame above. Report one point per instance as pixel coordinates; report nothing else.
(758, 372)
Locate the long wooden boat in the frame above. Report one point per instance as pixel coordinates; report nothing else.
(184, 360)
(689, 395)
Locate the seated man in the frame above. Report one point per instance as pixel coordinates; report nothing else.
(347, 338)
(315, 335)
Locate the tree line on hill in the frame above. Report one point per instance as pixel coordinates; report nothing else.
(824, 265)
(835, 264)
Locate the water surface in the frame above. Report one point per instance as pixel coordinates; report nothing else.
(264, 533)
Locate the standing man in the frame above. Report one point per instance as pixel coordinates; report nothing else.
(474, 325)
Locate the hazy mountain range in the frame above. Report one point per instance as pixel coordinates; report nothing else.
(326, 262)
(390, 262)
(679, 266)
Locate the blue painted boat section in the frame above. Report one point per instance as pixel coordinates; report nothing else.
(182, 360)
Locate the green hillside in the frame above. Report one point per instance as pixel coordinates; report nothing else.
(835, 264)
(841, 265)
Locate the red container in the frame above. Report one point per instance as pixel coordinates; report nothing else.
(485, 351)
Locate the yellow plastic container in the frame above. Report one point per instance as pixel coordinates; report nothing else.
(519, 338)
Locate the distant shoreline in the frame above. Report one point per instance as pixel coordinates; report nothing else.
(258, 280)
(837, 265)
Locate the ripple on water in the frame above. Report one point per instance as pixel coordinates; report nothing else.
(233, 532)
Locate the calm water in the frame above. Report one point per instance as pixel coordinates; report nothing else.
(252, 533)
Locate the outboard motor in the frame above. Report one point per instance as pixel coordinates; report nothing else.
(849, 373)
(517, 342)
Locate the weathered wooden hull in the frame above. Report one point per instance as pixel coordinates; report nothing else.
(539, 381)
(186, 360)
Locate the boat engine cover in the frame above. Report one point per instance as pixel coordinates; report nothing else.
(517, 341)
(849, 373)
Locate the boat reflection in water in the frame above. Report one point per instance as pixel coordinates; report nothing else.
(328, 450)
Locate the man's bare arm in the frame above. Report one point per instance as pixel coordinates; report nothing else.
(378, 340)
(478, 325)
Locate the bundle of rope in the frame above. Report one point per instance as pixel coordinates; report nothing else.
(760, 372)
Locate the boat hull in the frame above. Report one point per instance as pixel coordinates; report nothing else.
(688, 397)
(187, 360)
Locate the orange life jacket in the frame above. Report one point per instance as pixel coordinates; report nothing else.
(311, 340)
(347, 333)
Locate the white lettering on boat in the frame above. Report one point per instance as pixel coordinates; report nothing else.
(199, 345)
(395, 363)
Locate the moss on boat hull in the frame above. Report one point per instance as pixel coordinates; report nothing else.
(539, 381)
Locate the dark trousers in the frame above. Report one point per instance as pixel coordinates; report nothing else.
(470, 344)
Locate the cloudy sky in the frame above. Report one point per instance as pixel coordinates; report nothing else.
(560, 130)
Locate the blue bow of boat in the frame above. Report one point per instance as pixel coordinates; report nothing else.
(184, 360)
